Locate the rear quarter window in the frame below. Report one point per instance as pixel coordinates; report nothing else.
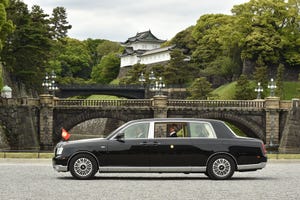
(221, 130)
(202, 130)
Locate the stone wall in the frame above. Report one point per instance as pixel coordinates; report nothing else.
(21, 126)
(290, 142)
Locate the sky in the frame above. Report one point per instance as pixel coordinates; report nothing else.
(117, 20)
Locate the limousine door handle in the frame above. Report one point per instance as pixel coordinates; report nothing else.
(150, 143)
(144, 143)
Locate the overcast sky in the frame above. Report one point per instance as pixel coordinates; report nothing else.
(117, 20)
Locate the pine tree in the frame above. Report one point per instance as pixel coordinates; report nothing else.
(59, 23)
(200, 89)
(279, 81)
(244, 91)
(27, 49)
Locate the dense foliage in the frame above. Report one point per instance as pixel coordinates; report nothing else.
(260, 40)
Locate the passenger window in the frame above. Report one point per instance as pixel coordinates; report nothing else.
(136, 131)
(203, 130)
(170, 129)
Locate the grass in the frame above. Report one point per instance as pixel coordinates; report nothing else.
(1, 81)
(227, 91)
(291, 90)
(104, 97)
(28, 155)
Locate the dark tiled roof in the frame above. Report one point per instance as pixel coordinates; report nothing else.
(146, 36)
(129, 51)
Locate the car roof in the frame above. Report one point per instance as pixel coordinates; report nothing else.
(175, 120)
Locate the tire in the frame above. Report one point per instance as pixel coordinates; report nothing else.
(83, 166)
(220, 167)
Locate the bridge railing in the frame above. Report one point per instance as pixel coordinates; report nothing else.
(258, 104)
(103, 103)
(170, 103)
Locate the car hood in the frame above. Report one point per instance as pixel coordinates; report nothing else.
(81, 142)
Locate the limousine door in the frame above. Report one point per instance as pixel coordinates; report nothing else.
(127, 147)
(186, 149)
(172, 151)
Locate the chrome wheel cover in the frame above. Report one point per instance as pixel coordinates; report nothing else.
(221, 167)
(83, 167)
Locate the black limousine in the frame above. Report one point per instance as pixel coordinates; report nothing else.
(163, 145)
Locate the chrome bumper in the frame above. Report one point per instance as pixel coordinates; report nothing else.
(251, 167)
(60, 168)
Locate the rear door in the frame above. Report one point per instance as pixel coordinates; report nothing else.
(167, 150)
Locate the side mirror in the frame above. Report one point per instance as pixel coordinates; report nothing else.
(120, 136)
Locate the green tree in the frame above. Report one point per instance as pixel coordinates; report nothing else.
(217, 51)
(268, 29)
(75, 60)
(299, 87)
(243, 90)
(184, 40)
(92, 45)
(178, 71)
(6, 25)
(200, 89)
(279, 81)
(132, 76)
(261, 75)
(106, 47)
(107, 70)
(59, 23)
(27, 51)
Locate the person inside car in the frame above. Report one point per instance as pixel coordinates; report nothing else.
(172, 132)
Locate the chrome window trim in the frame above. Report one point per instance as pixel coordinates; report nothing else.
(181, 121)
(131, 124)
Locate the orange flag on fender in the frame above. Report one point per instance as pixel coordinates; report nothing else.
(65, 134)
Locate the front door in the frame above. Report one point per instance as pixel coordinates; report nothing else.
(131, 149)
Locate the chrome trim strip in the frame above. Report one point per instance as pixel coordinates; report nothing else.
(252, 166)
(152, 169)
(60, 168)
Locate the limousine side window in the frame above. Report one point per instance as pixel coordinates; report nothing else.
(135, 131)
(164, 129)
(203, 130)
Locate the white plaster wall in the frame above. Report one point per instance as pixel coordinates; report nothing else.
(128, 60)
(154, 58)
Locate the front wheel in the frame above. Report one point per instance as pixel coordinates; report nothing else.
(220, 167)
(83, 166)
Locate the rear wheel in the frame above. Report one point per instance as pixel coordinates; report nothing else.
(220, 167)
(83, 166)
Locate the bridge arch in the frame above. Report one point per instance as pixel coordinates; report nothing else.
(69, 118)
(246, 124)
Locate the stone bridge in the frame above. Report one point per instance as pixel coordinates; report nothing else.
(265, 119)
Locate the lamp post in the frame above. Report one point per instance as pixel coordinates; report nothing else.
(142, 79)
(49, 83)
(155, 85)
(259, 89)
(159, 85)
(272, 86)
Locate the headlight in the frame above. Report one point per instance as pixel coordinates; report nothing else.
(59, 150)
